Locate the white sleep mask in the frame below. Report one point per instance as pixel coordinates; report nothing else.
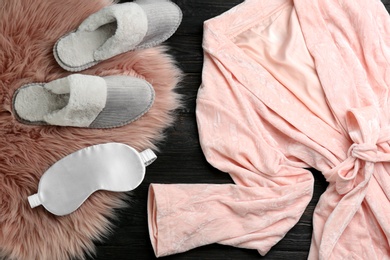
(70, 181)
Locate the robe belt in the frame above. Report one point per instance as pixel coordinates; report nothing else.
(363, 125)
(352, 176)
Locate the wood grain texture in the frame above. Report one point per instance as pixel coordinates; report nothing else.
(182, 161)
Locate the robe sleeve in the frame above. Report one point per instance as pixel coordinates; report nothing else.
(270, 191)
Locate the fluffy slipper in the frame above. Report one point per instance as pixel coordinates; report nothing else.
(70, 181)
(117, 29)
(84, 101)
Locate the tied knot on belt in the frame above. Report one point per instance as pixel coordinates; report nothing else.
(366, 152)
(369, 138)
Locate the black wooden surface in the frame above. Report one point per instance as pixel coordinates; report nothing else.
(181, 161)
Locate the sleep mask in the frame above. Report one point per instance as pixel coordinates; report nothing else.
(70, 181)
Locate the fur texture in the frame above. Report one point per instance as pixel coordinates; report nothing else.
(28, 31)
(48, 103)
(132, 25)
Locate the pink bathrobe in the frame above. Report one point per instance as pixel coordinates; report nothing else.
(289, 85)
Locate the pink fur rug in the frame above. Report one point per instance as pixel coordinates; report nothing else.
(28, 30)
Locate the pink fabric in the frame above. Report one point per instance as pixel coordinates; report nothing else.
(289, 85)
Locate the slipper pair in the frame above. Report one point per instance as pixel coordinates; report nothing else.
(92, 101)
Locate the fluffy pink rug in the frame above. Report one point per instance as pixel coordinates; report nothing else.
(28, 30)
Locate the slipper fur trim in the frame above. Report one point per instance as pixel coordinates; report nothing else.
(75, 100)
(111, 31)
(88, 95)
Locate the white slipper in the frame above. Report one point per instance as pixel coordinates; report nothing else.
(70, 181)
(84, 101)
(116, 29)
